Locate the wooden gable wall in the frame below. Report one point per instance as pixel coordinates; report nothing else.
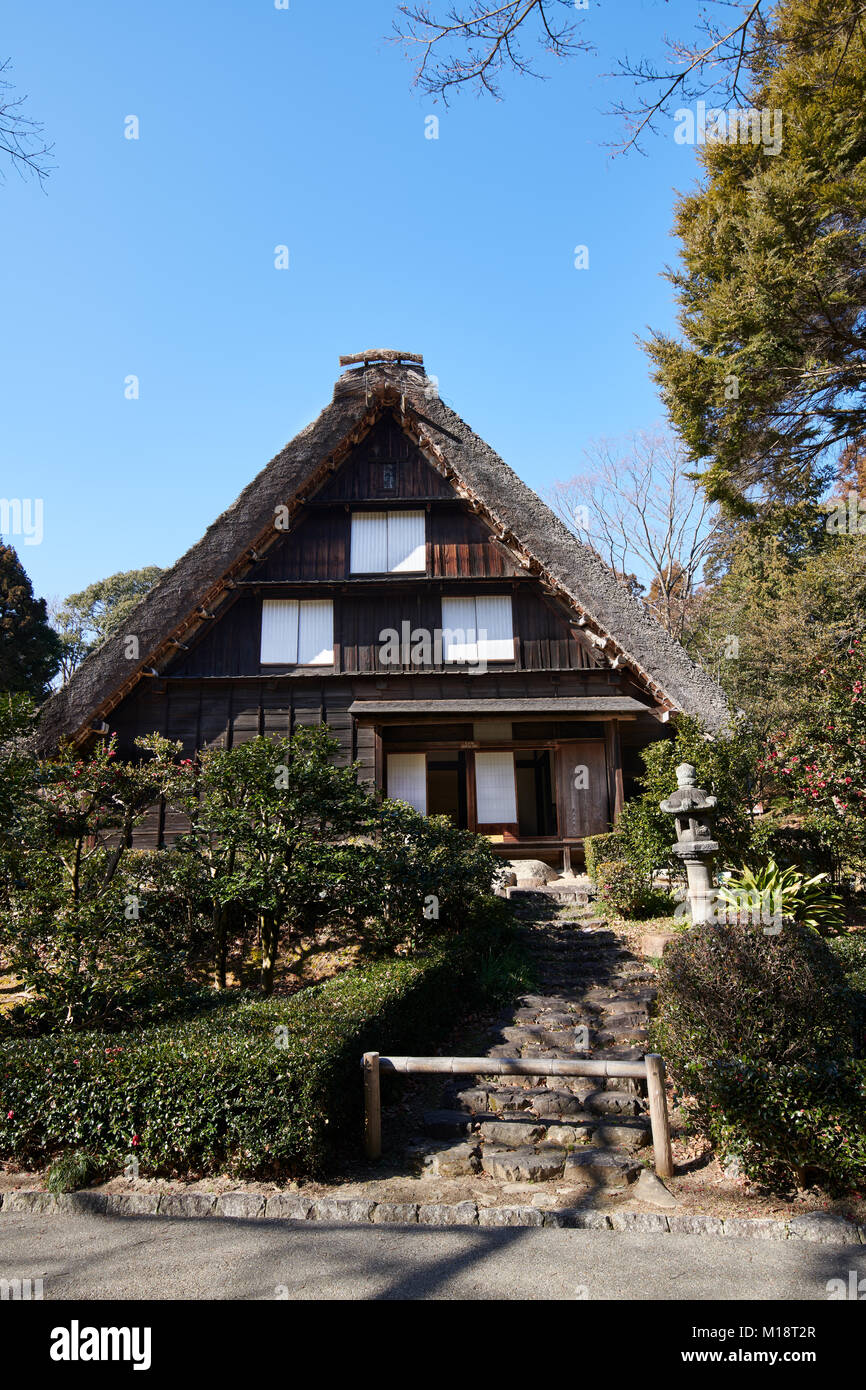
(217, 694)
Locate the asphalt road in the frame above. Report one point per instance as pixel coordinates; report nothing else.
(97, 1257)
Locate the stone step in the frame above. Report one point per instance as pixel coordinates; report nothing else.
(587, 1166)
(527, 1164)
(448, 1124)
(612, 1103)
(599, 1167)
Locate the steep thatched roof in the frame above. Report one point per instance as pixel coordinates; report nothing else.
(201, 580)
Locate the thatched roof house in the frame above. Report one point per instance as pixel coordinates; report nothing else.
(207, 665)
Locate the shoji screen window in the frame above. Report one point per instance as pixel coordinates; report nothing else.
(388, 543)
(478, 629)
(407, 779)
(495, 789)
(297, 632)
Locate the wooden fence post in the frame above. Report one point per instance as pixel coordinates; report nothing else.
(372, 1106)
(658, 1107)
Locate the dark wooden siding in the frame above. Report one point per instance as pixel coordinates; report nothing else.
(544, 640)
(362, 476)
(231, 646)
(318, 548)
(462, 547)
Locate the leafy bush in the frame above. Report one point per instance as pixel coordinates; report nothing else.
(94, 959)
(753, 1026)
(783, 1120)
(418, 876)
(773, 894)
(253, 1087)
(644, 836)
(621, 888)
(724, 766)
(816, 761)
(850, 951)
(624, 891)
(69, 926)
(790, 846)
(72, 1171)
(599, 849)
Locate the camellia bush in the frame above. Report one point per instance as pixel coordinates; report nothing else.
(71, 927)
(818, 760)
(280, 838)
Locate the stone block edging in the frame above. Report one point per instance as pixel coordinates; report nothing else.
(289, 1206)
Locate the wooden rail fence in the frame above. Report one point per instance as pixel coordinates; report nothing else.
(651, 1070)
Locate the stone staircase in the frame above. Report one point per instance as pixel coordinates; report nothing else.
(593, 1001)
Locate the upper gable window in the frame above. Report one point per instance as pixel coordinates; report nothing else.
(389, 477)
(388, 542)
(478, 628)
(297, 632)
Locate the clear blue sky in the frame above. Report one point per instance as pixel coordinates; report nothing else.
(261, 127)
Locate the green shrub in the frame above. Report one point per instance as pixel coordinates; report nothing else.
(254, 1087)
(782, 1121)
(621, 887)
(642, 840)
(72, 1171)
(600, 848)
(624, 891)
(850, 951)
(759, 1029)
(645, 836)
(418, 877)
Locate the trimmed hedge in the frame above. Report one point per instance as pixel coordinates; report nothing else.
(600, 848)
(758, 1030)
(253, 1088)
(783, 1120)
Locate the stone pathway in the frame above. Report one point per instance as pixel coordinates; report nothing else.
(593, 1001)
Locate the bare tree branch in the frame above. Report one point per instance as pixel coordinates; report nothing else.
(476, 44)
(716, 62)
(21, 139)
(473, 42)
(642, 514)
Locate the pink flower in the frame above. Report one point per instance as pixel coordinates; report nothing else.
(135, 1141)
(10, 1115)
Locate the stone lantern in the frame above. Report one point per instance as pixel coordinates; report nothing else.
(695, 845)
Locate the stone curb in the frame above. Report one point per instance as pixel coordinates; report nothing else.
(288, 1206)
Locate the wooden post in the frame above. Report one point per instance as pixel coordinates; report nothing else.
(372, 1106)
(613, 748)
(658, 1106)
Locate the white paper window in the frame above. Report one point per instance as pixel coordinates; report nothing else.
(297, 632)
(496, 800)
(316, 633)
(458, 630)
(407, 779)
(406, 541)
(388, 542)
(279, 631)
(369, 549)
(494, 627)
(478, 629)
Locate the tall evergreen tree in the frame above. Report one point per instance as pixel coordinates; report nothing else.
(29, 648)
(768, 384)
